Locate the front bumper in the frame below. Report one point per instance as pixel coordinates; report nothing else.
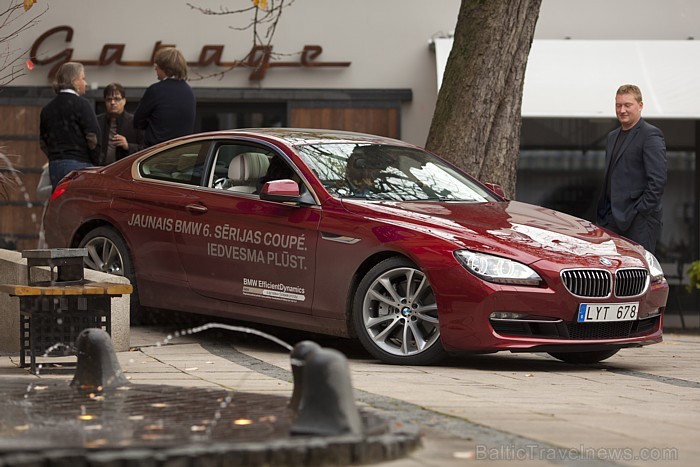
(547, 320)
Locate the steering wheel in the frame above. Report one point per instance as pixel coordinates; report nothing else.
(221, 183)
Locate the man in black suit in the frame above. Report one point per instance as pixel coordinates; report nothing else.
(119, 137)
(635, 173)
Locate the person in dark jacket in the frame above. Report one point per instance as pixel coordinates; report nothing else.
(635, 173)
(69, 133)
(119, 137)
(167, 108)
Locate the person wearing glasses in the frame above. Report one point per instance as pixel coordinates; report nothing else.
(119, 137)
(69, 134)
(167, 108)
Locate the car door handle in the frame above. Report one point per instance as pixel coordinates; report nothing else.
(196, 208)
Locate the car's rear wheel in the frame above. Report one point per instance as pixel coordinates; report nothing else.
(396, 316)
(108, 252)
(583, 357)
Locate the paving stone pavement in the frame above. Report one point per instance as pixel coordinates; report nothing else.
(641, 407)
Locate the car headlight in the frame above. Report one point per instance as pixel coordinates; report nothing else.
(655, 270)
(496, 269)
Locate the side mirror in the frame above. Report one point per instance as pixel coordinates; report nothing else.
(283, 191)
(496, 188)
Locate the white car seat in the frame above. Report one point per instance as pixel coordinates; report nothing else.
(245, 170)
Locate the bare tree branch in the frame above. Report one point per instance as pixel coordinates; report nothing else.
(14, 20)
(9, 176)
(262, 23)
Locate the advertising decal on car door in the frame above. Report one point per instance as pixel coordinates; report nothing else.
(245, 245)
(287, 258)
(272, 290)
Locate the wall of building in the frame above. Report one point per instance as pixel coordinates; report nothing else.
(386, 43)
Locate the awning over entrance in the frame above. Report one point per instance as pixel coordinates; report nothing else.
(578, 78)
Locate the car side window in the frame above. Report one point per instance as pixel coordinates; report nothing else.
(239, 168)
(181, 164)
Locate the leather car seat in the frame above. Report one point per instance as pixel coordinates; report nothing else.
(245, 170)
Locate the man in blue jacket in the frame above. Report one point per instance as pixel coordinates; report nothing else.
(635, 173)
(167, 108)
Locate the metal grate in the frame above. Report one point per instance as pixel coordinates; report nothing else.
(613, 330)
(630, 282)
(573, 330)
(587, 282)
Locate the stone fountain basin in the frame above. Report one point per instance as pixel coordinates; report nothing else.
(54, 423)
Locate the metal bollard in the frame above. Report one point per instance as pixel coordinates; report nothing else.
(98, 367)
(327, 406)
(298, 356)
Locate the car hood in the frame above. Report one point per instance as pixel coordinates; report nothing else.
(512, 229)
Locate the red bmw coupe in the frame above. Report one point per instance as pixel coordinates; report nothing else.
(357, 236)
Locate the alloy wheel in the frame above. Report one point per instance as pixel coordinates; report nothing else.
(399, 312)
(103, 255)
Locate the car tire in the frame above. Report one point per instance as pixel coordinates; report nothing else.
(108, 252)
(583, 357)
(395, 314)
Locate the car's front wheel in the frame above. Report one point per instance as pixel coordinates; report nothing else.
(395, 314)
(108, 252)
(584, 357)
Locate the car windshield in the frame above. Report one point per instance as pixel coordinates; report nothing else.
(385, 172)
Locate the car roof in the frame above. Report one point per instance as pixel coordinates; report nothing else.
(301, 136)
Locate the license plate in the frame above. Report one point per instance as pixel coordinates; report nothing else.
(599, 312)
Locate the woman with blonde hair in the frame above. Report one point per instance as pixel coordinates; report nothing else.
(167, 108)
(69, 133)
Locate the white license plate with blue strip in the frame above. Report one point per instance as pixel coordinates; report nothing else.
(601, 312)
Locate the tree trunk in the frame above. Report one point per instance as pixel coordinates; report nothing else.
(477, 118)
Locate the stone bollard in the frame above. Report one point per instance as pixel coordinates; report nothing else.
(298, 358)
(327, 406)
(98, 367)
